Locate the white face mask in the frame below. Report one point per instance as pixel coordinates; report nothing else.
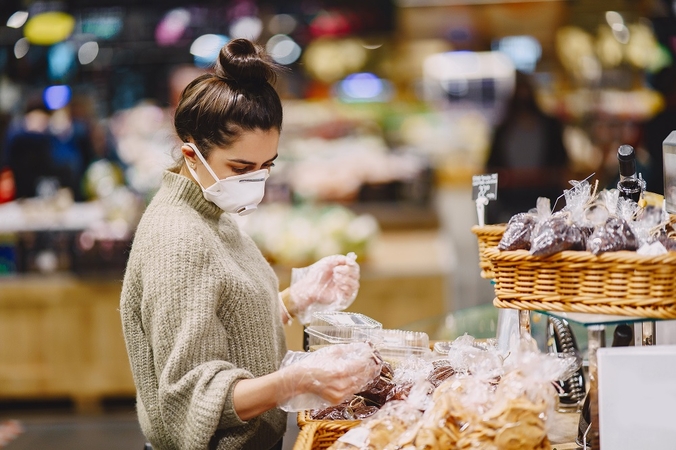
(239, 194)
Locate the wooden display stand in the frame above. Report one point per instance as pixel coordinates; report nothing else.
(62, 338)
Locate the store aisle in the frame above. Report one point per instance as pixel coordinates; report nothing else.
(66, 431)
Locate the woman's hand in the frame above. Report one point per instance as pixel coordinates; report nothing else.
(333, 373)
(330, 284)
(330, 375)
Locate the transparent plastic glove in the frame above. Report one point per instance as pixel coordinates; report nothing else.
(330, 284)
(327, 376)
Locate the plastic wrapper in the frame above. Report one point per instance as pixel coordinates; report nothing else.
(517, 233)
(330, 284)
(357, 408)
(480, 359)
(385, 429)
(614, 235)
(556, 234)
(649, 224)
(358, 363)
(442, 371)
(667, 239)
(378, 391)
(471, 411)
(364, 403)
(408, 373)
(566, 229)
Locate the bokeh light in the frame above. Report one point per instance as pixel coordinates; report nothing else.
(60, 60)
(329, 60)
(172, 27)
(21, 48)
(104, 23)
(49, 28)
(57, 96)
(88, 52)
(364, 87)
(248, 27)
(18, 19)
(524, 51)
(205, 48)
(282, 24)
(283, 49)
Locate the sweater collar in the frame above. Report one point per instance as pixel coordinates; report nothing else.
(181, 190)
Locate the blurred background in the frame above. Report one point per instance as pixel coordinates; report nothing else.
(390, 107)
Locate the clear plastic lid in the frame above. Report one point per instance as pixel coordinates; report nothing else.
(339, 328)
(341, 319)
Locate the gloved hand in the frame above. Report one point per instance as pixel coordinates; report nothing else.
(330, 284)
(327, 376)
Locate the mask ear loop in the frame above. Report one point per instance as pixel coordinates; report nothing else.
(204, 161)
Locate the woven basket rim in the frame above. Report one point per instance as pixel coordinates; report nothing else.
(496, 230)
(580, 256)
(562, 305)
(305, 437)
(305, 419)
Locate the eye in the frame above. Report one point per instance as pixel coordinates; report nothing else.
(269, 166)
(241, 170)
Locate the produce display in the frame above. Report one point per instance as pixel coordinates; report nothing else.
(298, 235)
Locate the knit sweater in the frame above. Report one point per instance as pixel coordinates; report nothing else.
(199, 312)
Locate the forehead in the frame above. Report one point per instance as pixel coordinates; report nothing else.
(255, 146)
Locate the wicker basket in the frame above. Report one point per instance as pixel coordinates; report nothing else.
(320, 434)
(622, 283)
(488, 236)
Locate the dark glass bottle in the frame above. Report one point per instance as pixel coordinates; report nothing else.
(631, 185)
(622, 337)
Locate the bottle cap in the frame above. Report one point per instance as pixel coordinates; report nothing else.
(627, 159)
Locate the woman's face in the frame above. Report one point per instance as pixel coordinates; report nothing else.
(254, 150)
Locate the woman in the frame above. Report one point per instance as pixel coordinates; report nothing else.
(201, 312)
(528, 153)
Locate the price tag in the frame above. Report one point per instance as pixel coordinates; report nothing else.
(485, 186)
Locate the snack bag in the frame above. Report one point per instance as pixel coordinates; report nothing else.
(383, 430)
(563, 230)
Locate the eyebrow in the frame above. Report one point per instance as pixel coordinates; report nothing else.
(251, 163)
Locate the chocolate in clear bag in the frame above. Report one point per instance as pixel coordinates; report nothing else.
(566, 229)
(614, 235)
(518, 231)
(556, 234)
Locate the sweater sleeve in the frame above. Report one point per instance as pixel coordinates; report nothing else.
(181, 299)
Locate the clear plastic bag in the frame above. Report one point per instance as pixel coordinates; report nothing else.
(614, 235)
(330, 284)
(474, 409)
(385, 429)
(517, 233)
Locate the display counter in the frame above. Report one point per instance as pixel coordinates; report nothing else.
(62, 338)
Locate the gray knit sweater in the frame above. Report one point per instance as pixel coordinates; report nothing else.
(199, 312)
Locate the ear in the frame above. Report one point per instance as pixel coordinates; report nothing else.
(189, 154)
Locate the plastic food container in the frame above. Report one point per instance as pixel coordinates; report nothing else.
(397, 344)
(339, 328)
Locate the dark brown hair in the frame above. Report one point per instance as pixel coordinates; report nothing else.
(215, 108)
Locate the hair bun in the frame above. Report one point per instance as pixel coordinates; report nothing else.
(244, 62)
